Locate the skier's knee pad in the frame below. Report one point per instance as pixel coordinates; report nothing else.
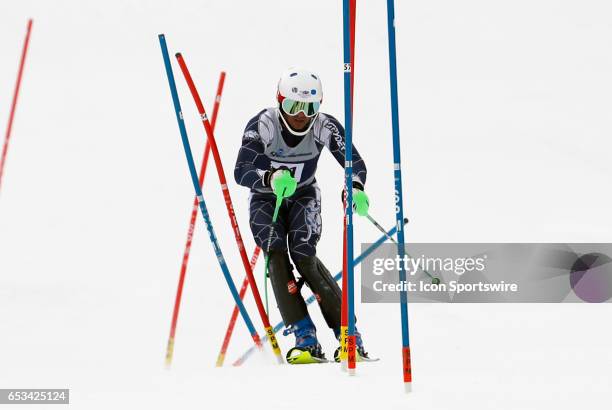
(286, 291)
(325, 288)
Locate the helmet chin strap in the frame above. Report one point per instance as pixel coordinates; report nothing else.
(291, 130)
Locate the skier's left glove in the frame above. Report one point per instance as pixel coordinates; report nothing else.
(282, 183)
(361, 203)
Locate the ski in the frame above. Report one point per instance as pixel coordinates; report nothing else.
(302, 356)
(358, 357)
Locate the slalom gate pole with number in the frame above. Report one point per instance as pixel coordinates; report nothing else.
(230, 208)
(348, 9)
(232, 321)
(279, 201)
(344, 305)
(198, 191)
(312, 298)
(399, 205)
(191, 229)
(9, 126)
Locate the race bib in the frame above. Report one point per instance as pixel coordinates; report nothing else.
(295, 168)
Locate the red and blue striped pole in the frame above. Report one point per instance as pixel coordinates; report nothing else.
(348, 181)
(399, 205)
(344, 309)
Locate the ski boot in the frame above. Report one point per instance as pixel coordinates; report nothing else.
(360, 356)
(307, 348)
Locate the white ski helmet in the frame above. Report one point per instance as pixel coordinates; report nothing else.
(299, 90)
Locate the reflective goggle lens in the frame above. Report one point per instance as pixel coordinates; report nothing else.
(293, 107)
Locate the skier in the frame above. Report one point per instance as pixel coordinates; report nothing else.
(279, 154)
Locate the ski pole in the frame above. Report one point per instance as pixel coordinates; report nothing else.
(312, 298)
(230, 208)
(380, 228)
(279, 201)
(9, 126)
(191, 229)
(232, 321)
(198, 191)
(434, 280)
(399, 206)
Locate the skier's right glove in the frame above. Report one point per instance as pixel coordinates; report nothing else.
(281, 181)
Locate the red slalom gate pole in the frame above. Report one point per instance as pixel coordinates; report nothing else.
(234, 317)
(192, 222)
(9, 126)
(230, 208)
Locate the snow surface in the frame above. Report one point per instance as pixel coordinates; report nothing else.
(505, 120)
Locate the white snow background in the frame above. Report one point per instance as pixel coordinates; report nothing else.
(505, 123)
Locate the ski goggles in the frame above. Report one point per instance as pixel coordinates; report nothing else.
(292, 107)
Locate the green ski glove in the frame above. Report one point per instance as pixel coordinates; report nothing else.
(361, 204)
(283, 183)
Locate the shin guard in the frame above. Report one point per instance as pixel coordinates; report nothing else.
(286, 291)
(325, 288)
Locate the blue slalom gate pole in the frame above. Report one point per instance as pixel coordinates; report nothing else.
(399, 205)
(348, 180)
(198, 190)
